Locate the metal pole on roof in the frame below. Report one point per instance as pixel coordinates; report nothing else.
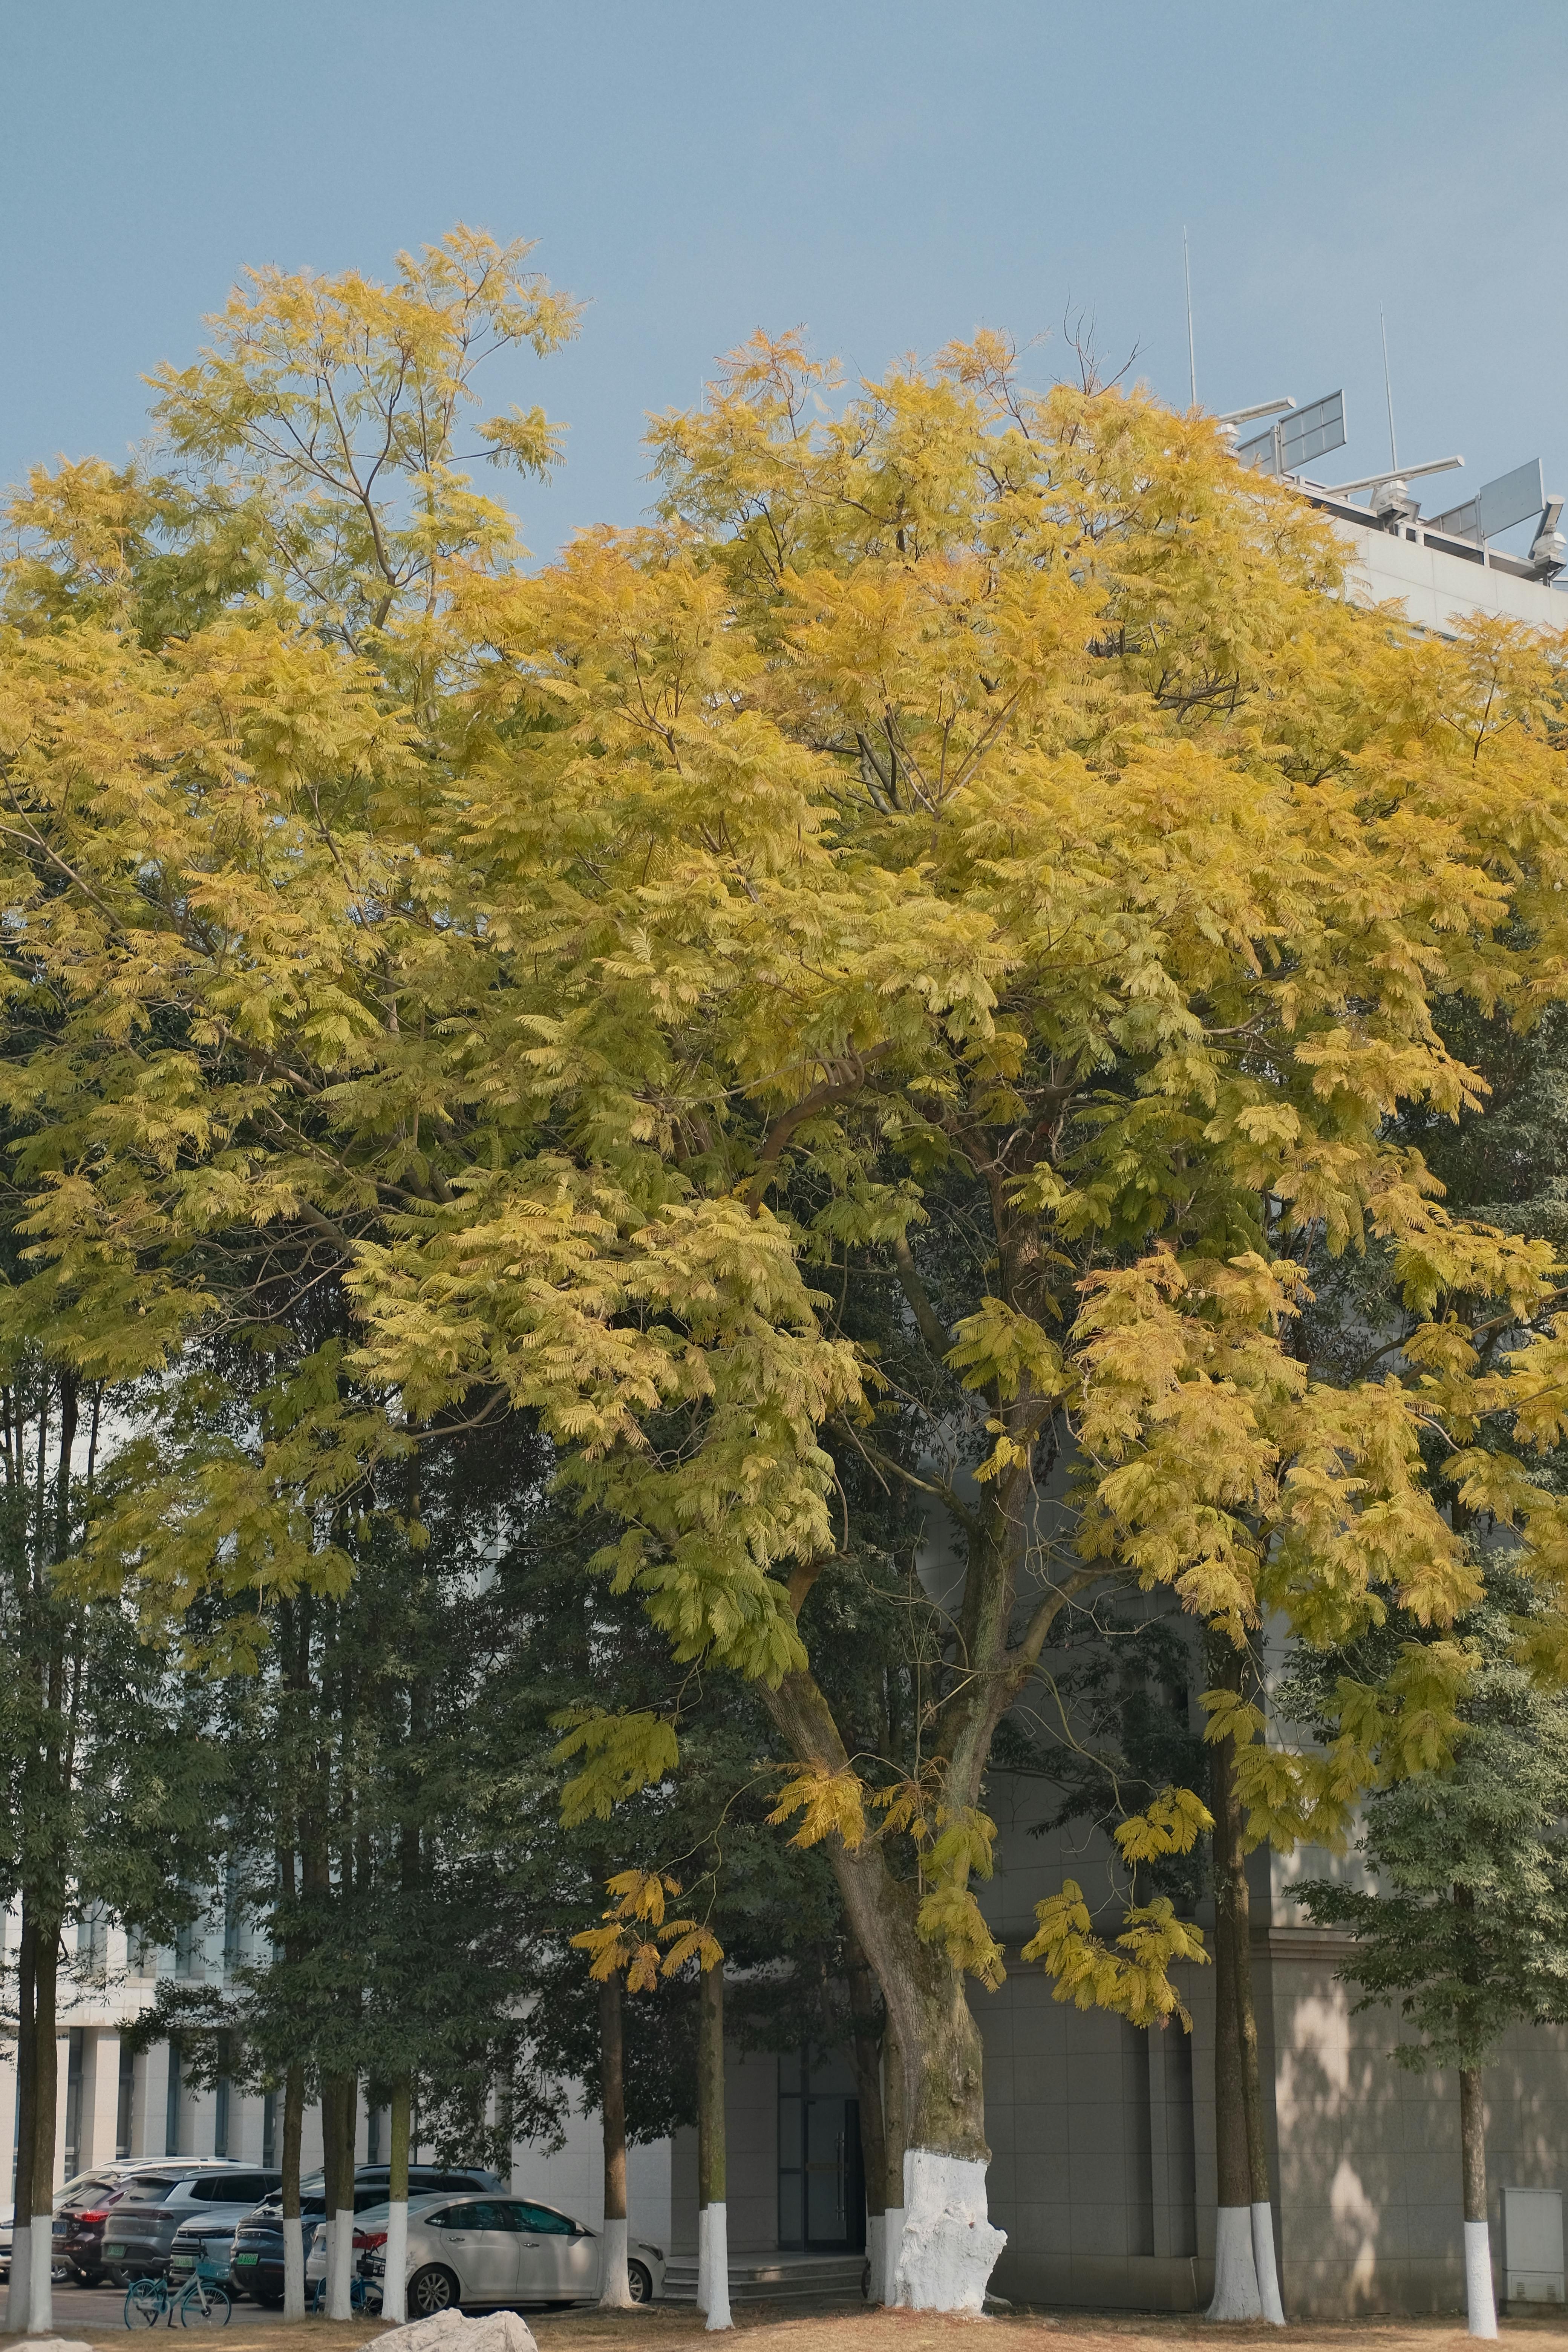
(1388, 390)
(1191, 354)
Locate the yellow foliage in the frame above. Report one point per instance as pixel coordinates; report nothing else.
(572, 961)
(1171, 1823)
(1131, 1976)
(829, 1803)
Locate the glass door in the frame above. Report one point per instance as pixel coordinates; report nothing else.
(821, 2194)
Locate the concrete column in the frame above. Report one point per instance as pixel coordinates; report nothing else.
(245, 2126)
(197, 2121)
(1172, 2160)
(7, 2125)
(99, 2098)
(151, 2102)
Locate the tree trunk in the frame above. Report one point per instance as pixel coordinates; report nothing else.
(1235, 2286)
(615, 2287)
(867, 2053)
(20, 2294)
(293, 2229)
(46, 2072)
(1480, 2303)
(329, 2185)
(394, 2275)
(338, 2097)
(713, 2225)
(893, 2160)
(1263, 2256)
(948, 2247)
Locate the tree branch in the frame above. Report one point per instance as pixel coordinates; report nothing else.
(933, 1330)
(830, 1090)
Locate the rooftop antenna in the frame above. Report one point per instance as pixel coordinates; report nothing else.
(1191, 354)
(1388, 390)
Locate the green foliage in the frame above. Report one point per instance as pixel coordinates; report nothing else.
(1464, 1924)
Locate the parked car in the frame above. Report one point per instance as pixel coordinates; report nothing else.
(256, 2261)
(139, 2233)
(83, 2207)
(493, 2250)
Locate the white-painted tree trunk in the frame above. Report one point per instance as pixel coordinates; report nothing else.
(875, 2261)
(1235, 2295)
(1480, 2304)
(892, 2247)
(615, 2286)
(1264, 2263)
(41, 2279)
(21, 2287)
(948, 2246)
(718, 2303)
(293, 2267)
(340, 2266)
(702, 2242)
(394, 2278)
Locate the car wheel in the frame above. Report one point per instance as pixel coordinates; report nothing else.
(640, 2282)
(430, 2291)
(90, 2278)
(270, 2302)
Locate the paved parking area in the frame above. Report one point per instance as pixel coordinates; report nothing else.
(79, 2309)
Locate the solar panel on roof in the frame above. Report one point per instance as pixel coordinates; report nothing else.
(1294, 441)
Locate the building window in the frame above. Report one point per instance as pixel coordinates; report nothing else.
(172, 2106)
(221, 2090)
(269, 2130)
(188, 1949)
(73, 2101)
(125, 2107)
(92, 1943)
(233, 1918)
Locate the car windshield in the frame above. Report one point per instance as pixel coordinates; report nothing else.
(150, 2192)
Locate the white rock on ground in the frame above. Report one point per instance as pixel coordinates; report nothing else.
(450, 2331)
(57, 2344)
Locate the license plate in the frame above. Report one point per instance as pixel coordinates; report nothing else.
(240, 2260)
(112, 2253)
(181, 2262)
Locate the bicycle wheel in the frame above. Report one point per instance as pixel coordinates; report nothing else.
(202, 2305)
(144, 2303)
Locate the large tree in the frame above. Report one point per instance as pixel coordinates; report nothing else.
(968, 844)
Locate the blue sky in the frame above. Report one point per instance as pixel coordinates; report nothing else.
(889, 175)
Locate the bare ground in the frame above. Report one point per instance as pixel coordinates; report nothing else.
(836, 2328)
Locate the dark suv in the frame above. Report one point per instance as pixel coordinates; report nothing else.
(140, 2229)
(256, 2263)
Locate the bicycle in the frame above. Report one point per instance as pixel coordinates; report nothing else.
(358, 2290)
(202, 2302)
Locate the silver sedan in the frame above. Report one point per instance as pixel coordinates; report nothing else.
(492, 2249)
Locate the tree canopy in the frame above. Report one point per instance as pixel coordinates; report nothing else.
(895, 963)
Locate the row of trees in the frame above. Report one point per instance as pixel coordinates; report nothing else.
(908, 999)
